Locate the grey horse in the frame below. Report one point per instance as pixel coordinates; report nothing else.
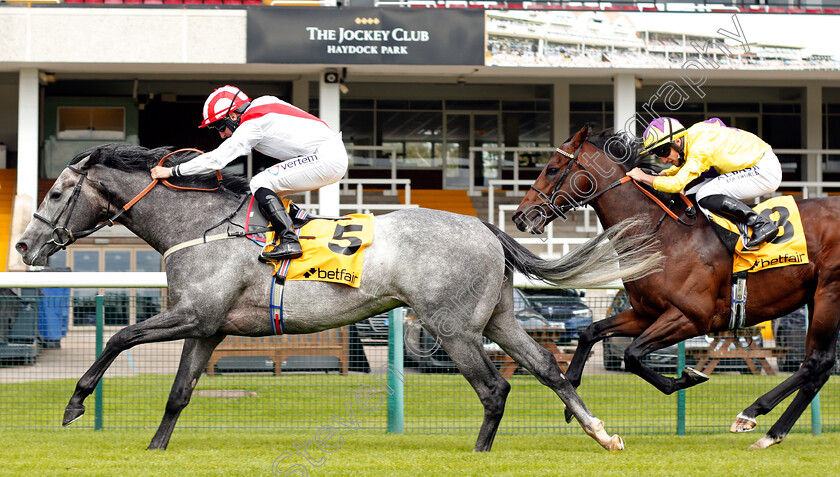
(418, 257)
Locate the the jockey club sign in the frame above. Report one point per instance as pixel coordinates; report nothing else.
(365, 36)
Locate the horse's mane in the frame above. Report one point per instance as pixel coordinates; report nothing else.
(136, 158)
(622, 145)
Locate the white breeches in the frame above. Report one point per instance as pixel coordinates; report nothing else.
(305, 173)
(760, 179)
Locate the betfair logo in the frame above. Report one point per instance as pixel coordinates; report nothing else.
(367, 21)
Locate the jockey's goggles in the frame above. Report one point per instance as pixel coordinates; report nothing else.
(219, 125)
(663, 150)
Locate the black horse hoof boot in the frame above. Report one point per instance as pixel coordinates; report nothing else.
(283, 251)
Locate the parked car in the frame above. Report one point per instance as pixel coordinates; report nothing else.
(558, 305)
(665, 359)
(422, 352)
(374, 329)
(789, 332)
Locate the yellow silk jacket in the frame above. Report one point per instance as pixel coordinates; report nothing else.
(710, 145)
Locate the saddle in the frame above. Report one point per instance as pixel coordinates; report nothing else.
(787, 248)
(333, 247)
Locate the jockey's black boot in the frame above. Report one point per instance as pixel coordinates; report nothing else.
(285, 242)
(737, 211)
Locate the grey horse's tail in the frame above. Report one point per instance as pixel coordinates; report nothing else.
(621, 252)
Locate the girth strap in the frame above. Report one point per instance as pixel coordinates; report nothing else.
(200, 240)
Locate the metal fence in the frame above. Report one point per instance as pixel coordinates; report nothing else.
(48, 338)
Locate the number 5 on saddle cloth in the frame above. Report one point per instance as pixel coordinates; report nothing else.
(333, 248)
(787, 248)
(333, 251)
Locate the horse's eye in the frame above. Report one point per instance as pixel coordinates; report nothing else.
(55, 195)
(551, 171)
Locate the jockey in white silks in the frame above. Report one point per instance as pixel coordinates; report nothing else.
(311, 155)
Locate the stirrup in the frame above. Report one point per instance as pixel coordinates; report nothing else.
(756, 241)
(282, 251)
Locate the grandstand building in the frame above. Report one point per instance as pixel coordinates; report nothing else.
(442, 89)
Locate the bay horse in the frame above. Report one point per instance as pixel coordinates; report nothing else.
(454, 271)
(691, 295)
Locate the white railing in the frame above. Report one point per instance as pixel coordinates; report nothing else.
(806, 186)
(391, 149)
(590, 222)
(139, 280)
(362, 207)
(502, 150)
(549, 240)
(83, 280)
(359, 206)
(816, 157)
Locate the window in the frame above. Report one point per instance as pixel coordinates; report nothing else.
(91, 123)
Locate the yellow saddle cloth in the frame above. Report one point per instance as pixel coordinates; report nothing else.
(788, 248)
(333, 250)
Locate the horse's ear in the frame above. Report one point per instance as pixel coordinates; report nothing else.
(82, 161)
(581, 136)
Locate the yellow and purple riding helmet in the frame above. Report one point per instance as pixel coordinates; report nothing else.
(659, 135)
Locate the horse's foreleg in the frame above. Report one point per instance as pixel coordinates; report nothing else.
(626, 323)
(194, 358)
(671, 328)
(167, 326)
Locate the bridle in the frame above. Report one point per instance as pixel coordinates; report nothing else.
(560, 210)
(62, 236)
(550, 201)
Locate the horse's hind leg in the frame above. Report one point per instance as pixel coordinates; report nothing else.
(504, 330)
(818, 363)
(194, 358)
(172, 324)
(808, 379)
(467, 352)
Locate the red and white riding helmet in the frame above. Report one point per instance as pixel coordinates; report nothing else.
(222, 101)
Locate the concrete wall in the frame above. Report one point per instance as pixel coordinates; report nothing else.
(122, 35)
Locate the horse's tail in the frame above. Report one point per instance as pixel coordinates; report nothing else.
(619, 253)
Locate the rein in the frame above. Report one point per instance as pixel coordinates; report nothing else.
(562, 209)
(63, 237)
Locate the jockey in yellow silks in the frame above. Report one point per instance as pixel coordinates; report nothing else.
(747, 166)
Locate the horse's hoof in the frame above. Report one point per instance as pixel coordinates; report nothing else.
(764, 443)
(695, 376)
(616, 443)
(72, 414)
(743, 424)
(568, 415)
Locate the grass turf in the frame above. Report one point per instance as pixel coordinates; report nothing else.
(433, 404)
(249, 453)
